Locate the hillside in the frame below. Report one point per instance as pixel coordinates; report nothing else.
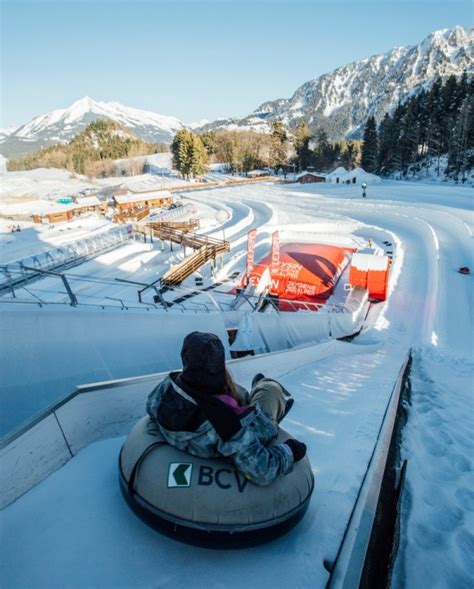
(62, 125)
(92, 152)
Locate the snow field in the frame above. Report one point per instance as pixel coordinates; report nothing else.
(437, 509)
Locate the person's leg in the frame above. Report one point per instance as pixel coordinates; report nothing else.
(272, 397)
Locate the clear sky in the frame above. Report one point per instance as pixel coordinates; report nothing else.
(194, 59)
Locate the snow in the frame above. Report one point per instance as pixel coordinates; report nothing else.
(44, 183)
(121, 551)
(356, 176)
(140, 197)
(430, 309)
(87, 201)
(34, 239)
(114, 110)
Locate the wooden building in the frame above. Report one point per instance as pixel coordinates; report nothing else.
(59, 216)
(143, 200)
(90, 204)
(310, 178)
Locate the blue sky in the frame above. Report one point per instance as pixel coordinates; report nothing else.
(194, 59)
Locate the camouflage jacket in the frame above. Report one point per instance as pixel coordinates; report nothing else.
(184, 426)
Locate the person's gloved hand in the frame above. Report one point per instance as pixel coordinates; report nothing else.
(298, 448)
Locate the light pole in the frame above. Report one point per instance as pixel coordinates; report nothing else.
(221, 217)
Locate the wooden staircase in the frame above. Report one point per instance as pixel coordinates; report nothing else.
(176, 275)
(207, 248)
(184, 226)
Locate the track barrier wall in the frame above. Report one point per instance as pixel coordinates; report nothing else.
(105, 410)
(46, 351)
(270, 332)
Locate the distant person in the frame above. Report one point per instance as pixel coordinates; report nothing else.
(202, 411)
(364, 190)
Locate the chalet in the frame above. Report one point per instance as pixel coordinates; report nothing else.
(143, 200)
(58, 215)
(90, 204)
(310, 178)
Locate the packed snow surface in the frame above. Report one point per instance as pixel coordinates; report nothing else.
(121, 551)
(428, 229)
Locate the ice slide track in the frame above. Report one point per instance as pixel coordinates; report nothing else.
(50, 440)
(418, 235)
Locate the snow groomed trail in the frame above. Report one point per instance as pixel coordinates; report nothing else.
(431, 311)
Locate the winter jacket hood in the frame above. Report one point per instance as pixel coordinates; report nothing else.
(203, 358)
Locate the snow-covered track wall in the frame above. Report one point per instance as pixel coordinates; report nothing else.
(353, 558)
(45, 351)
(270, 332)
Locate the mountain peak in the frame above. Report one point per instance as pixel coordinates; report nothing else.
(63, 124)
(340, 101)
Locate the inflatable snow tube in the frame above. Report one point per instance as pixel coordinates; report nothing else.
(207, 501)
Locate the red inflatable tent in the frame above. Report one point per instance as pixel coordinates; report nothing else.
(303, 271)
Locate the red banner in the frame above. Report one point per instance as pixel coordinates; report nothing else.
(251, 238)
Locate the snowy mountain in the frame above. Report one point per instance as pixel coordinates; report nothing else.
(6, 132)
(341, 101)
(63, 124)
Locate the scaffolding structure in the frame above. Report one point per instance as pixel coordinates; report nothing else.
(25, 270)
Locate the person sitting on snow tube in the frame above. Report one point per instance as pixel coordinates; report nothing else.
(200, 410)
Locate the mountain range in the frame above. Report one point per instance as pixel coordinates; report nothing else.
(60, 126)
(338, 102)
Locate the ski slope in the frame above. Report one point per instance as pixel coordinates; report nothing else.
(429, 310)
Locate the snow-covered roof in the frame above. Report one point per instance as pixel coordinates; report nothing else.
(144, 196)
(88, 201)
(59, 209)
(306, 173)
(338, 171)
(369, 261)
(358, 173)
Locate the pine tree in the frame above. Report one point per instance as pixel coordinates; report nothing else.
(387, 146)
(370, 146)
(349, 155)
(189, 154)
(278, 131)
(199, 157)
(209, 140)
(279, 147)
(301, 145)
(461, 149)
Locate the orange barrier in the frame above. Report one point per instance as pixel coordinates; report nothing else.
(371, 272)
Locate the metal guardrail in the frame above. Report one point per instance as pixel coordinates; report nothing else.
(31, 268)
(123, 306)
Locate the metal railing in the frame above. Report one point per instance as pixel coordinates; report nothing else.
(26, 270)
